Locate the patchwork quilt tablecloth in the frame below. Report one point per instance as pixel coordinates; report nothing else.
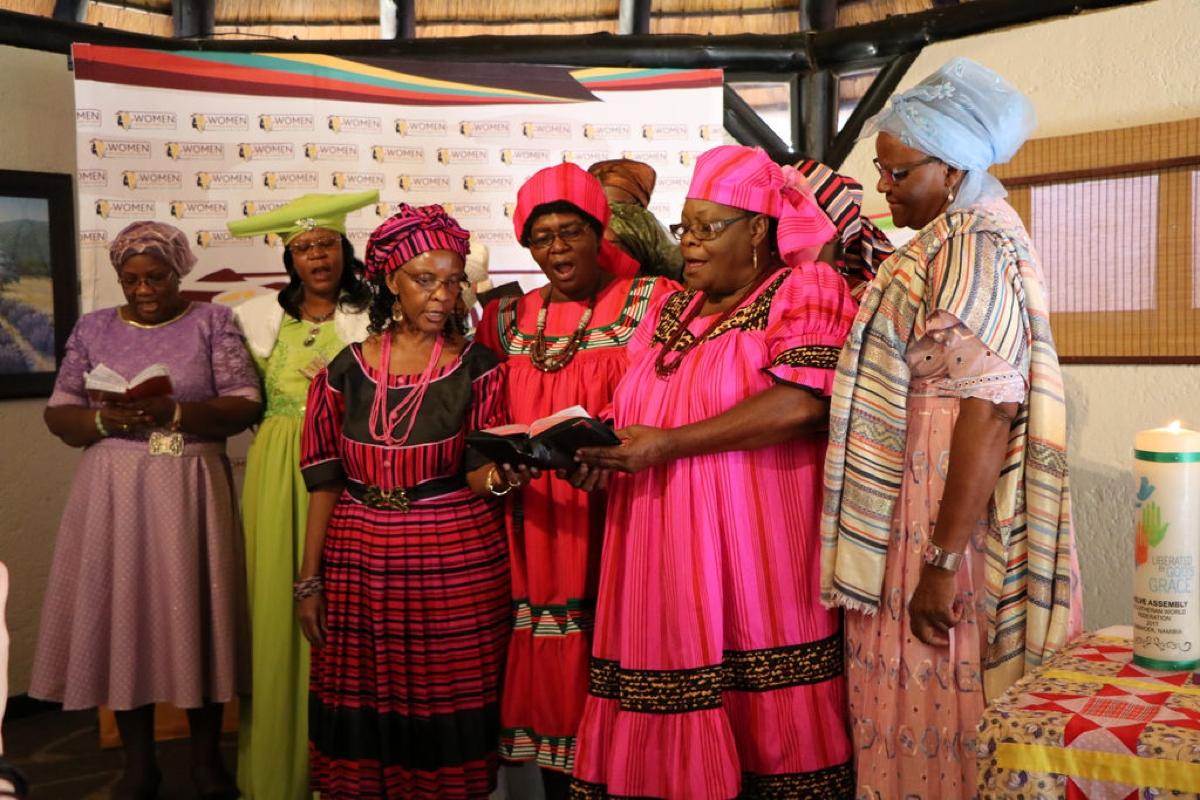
(1089, 724)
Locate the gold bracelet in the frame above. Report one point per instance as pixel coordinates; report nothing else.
(103, 431)
(491, 486)
(176, 423)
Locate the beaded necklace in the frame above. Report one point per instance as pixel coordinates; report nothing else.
(539, 353)
(383, 423)
(665, 369)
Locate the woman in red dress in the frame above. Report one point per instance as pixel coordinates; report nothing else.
(403, 590)
(565, 346)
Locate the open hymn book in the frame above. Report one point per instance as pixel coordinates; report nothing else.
(547, 443)
(106, 384)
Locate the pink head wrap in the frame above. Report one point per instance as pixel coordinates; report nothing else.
(146, 237)
(571, 183)
(413, 230)
(746, 178)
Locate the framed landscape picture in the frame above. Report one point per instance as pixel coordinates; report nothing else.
(39, 296)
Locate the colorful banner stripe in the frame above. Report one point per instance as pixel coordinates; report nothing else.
(324, 77)
(611, 79)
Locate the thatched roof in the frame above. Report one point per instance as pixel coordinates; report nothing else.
(356, 19)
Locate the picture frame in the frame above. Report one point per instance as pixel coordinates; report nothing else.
(39, 283)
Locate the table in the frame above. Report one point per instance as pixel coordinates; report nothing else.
(1089, 725)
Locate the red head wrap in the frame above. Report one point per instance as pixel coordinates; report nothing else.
(413, 230)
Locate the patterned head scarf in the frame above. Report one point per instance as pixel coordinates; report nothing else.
(570, 183)
(746, 178)
(413, 230)
(967, 116)
(864, 246)
(634, 177)
(147, 237)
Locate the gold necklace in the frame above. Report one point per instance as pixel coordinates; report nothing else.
(316, 320)
(150, 325)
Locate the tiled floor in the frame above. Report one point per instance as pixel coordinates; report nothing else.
(59, 752)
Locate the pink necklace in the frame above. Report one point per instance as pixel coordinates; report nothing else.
(384, 423)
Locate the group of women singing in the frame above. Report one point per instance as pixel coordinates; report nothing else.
(836, 523)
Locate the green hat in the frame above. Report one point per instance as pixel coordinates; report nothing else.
(304, 214)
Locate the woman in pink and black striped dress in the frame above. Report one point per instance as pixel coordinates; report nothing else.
(716, 673)
(404, 586)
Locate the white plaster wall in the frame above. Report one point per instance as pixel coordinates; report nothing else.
(1110, 69)
(37, 134)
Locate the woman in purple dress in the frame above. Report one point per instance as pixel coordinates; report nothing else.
(145, 602)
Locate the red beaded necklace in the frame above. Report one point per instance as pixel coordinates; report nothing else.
(665, 369)
(383, 422)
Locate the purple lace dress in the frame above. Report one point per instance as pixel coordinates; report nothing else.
(146, 597)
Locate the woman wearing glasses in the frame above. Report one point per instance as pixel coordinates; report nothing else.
(292, 334)
(144, 601)
(716, 673)
(565, 346)
(947, 527)
(403, 591)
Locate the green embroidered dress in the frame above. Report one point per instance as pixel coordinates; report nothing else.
(273, 733)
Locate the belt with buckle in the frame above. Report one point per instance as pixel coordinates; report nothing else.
(401, 498)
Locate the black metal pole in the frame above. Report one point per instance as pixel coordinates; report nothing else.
(744, 123)
(406, 19)
(633, 17)
(789, 53)
(872, 100)
(818, 89)
(70, 10)
(193, 19)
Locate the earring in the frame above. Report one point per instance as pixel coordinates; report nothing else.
(397, 312)
(755, 253)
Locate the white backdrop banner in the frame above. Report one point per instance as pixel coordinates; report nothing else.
(197, 139)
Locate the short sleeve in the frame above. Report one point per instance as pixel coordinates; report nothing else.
(488, 408)
(487, 333)
(810, 318)
(68, 385)
(234, 374)
(953, 358)
(320, 442)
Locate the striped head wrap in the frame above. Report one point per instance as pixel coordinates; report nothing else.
(864, 246)
(413, 230)
(746, 178)
(147, 237)
(569, 182)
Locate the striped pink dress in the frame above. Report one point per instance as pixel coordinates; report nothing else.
(715, 671)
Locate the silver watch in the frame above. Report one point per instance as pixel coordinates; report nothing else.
(941, 558)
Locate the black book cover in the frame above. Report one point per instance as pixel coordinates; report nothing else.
(553, 448)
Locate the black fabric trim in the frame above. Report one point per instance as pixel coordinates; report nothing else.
(680, 691)
(429, 743)
(832, 783)
(317, 475)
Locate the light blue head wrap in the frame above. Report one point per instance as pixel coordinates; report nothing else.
(965, 115)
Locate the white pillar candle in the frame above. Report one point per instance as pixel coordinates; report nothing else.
(1166, 593)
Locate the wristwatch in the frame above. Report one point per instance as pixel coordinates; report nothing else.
(941, 558)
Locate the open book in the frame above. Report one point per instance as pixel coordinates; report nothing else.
(105, 383)
(547, 443)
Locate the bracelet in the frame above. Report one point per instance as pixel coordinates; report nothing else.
(176, 422)
(491, 486)
(103, 431)
(307, 587)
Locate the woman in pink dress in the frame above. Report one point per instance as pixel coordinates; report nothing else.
(716, 673)
(947, 528)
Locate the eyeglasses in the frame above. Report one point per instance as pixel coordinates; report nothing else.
(705, 231)
(898, 174)
(158, 281)
(302, 248)
(544, 239)
(429, 284)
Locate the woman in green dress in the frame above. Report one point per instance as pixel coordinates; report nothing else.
(292, 336)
